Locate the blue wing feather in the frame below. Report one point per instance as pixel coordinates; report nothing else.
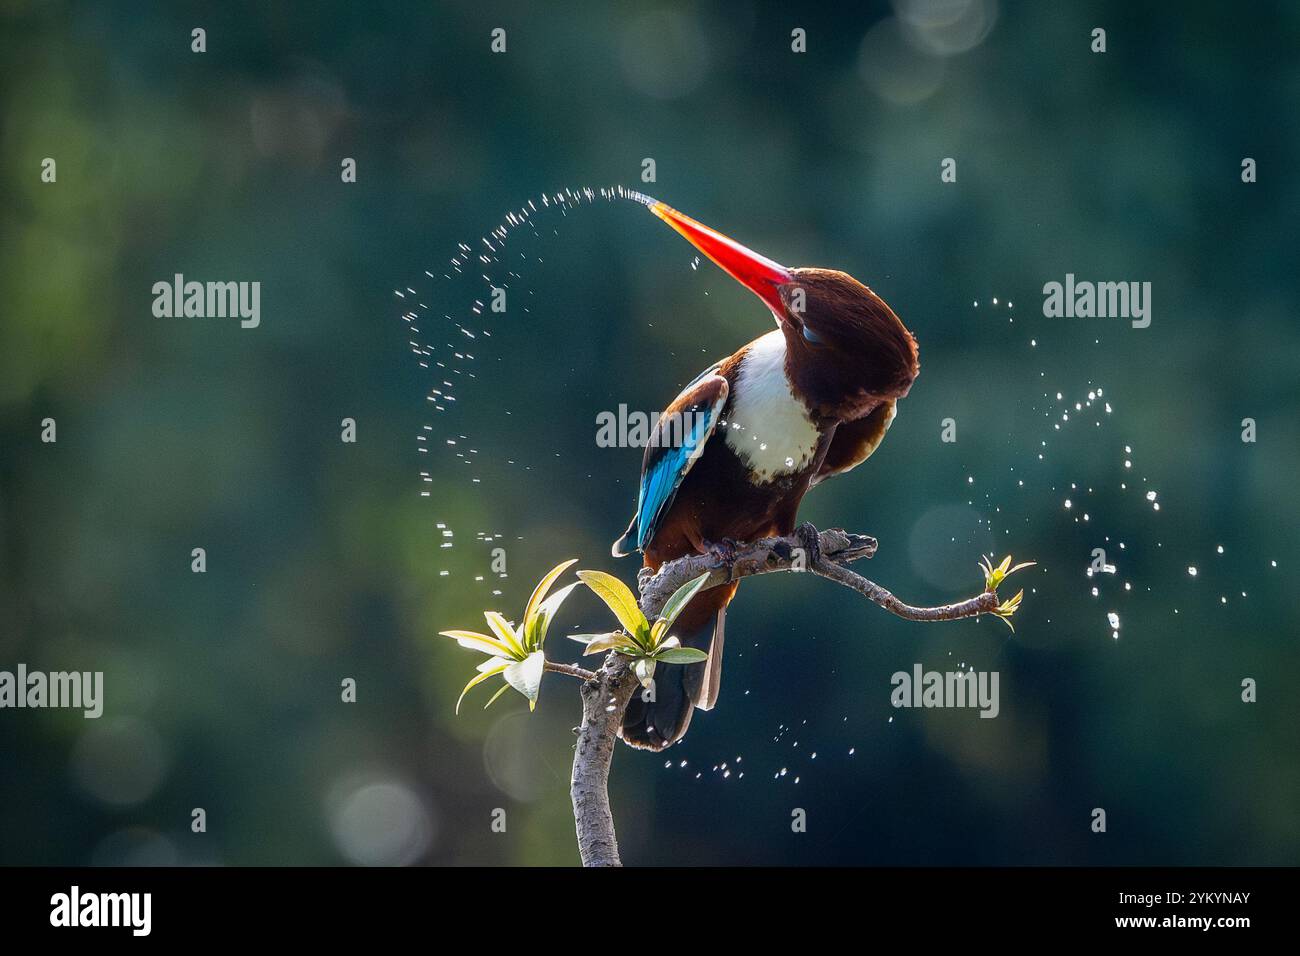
(667, 463)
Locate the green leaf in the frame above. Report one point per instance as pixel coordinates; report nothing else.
(535, 627)
(526, 676)
(657, 631)
(608, 642)
(995, 575)
(681, 597)
(543, 586)
(484, 674)
(588, 638)
(1007, 608)
(681, 655)
(662, 643)
(502, 629)
(479, 642)
(644, 669)
(493, 699)
(620, 600)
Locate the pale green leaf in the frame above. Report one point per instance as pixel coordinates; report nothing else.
(526, 676)
(502, 629)
(535, 627)
(496, 668)
(644, 669)
(657, 631)
(479, 642)
(588, 638)
(608, 642)
(493, 699)
(543, 586)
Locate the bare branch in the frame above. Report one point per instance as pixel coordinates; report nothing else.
(572, 670)
(971, 607)
(606, 695)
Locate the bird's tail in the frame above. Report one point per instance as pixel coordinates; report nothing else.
(628, 543)
(657, 718)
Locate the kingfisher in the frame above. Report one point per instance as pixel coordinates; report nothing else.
(733, 455)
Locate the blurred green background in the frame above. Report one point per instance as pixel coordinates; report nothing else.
(325, 561)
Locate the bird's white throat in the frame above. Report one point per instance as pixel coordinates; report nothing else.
(768, 426)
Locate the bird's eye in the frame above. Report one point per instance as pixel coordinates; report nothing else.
(811, 337)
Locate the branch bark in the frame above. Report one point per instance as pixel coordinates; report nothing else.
(606, 694)
(572, 670)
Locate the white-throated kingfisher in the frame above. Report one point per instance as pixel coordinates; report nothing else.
(809, 400)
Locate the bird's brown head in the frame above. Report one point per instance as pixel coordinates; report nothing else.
(846, 350)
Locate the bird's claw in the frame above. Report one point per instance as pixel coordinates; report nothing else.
(723, 552)
(812, 542)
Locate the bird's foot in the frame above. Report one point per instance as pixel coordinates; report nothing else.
(723, 552)
(812, 543)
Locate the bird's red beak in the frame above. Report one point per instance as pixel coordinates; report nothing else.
(756, 273)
